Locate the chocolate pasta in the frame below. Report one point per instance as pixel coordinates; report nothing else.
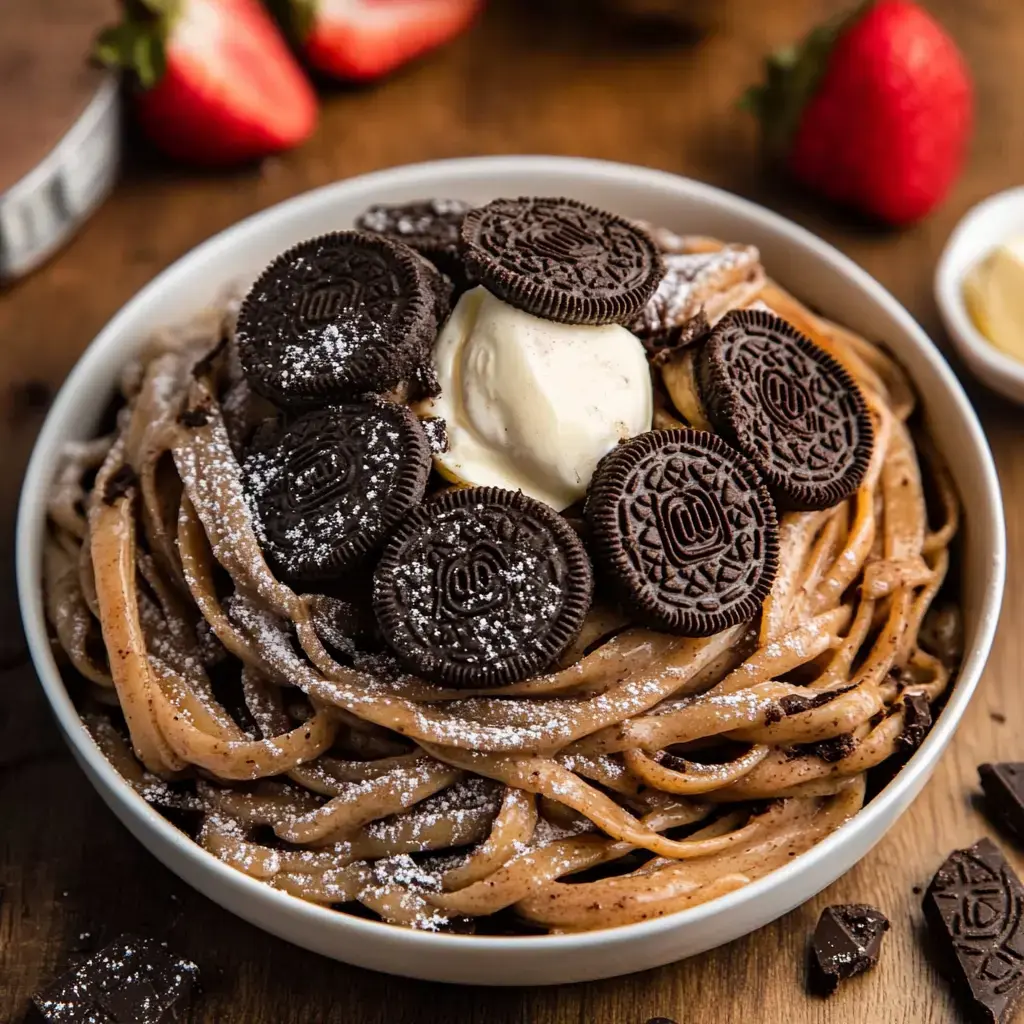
(641, 773)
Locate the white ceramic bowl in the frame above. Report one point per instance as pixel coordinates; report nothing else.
(800, 261)
(983, 227)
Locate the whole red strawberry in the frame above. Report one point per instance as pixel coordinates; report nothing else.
(873, 111)
(218, 84)
(360, 40)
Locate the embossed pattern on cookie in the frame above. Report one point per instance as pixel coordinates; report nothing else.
(683, 527)
(325, 489)
(482, 587)
(791, 408)
(338, 317)
(975, 909)
(561, 259)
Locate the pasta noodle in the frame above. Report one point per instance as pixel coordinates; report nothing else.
(643, 774)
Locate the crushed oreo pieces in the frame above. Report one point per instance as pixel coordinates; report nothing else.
(131, 981)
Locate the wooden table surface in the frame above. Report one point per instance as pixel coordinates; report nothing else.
(524, 80)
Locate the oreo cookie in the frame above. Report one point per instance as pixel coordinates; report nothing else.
(791, 408)
(325, 489)
(430, 226)
(561, 259)
(339, 317)
(482, 587)
(683, 528)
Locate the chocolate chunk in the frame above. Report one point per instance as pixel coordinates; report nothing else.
(831, 750)
(684, 530)
(846, 943)
(1003, 785)
(338, 317)
(328, 487)
(798, 703)
(430, 226)
(481, 587)
(119, 484)
(917, 720)
(975, 911)
(791, 408)
(131, 981)
(561, 259)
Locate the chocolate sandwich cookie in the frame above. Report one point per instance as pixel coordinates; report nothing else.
(684, 530)
(338, 317)
(482, 587)
(791, 408)
(326, 488)
(561, 259)
(430, 226)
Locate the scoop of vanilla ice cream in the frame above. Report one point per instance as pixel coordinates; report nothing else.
(533, 405)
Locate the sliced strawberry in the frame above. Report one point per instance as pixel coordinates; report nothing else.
(218, 83)
(359, 40)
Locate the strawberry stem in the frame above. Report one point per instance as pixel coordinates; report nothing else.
(792, 77)
(138, 43)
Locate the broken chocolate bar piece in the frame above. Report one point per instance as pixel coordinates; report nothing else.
(975, 910)
(1003, 785)
(131, 981)
(846, 943)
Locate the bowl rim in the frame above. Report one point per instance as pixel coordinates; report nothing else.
(31, 521)
(991, 362)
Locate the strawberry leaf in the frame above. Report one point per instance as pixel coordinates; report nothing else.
(792, 77)
(139, 43)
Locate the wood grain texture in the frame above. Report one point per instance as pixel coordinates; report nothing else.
(525, 79)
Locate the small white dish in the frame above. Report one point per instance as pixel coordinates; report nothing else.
(812, 269)
(982, 228)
